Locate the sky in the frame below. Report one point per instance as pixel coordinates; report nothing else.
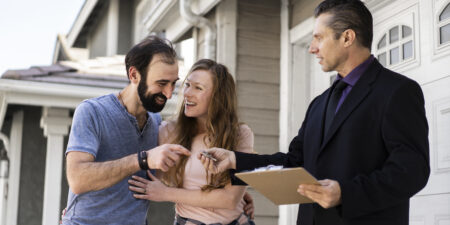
(28, 30)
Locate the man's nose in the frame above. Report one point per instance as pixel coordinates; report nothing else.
(312, 49)
(167, 91)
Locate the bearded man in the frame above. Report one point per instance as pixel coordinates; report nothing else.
(116, 136)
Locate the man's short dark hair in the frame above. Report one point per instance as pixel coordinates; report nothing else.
(348, 14)
(141, 54)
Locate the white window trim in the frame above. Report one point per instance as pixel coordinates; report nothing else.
(388, 47)
(441, 24)
(399, 13)
(440, 50)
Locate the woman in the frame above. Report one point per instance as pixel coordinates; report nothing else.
(207, 118)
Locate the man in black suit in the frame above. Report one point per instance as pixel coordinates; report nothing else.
(365, 138)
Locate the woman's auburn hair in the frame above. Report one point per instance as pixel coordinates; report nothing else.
(222, 125)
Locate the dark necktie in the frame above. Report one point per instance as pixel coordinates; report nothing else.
(332, 104)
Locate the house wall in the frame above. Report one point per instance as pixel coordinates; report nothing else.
(97, 38)
(32, 169)
(302, 10)
(257, 78)
(125, 26)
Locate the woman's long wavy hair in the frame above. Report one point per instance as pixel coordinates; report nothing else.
(222, 125)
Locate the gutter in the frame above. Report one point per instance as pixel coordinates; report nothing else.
(201, 22)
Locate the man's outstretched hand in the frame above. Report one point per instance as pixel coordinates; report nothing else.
(225, 160)
(165, 156)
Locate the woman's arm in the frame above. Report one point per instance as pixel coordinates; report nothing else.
(224, 198)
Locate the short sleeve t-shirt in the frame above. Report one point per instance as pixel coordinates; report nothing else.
(103, 127)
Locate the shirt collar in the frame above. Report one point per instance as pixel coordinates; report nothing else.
(356, 73)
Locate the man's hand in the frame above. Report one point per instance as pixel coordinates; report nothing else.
(225, 160)
(165, 156)
(327, 194)
(249, 207)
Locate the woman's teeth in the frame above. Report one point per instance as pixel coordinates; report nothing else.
(190, 103)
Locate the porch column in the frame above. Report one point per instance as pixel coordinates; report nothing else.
(226, 20)
(55, 122)
(287, 213)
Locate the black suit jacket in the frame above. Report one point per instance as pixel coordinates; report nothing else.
(376, 148)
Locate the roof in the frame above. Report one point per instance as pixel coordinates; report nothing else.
(63, 74)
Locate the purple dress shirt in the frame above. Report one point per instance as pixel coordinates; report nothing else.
(352, 78)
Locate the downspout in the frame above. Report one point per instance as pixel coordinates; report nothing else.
(201, 22)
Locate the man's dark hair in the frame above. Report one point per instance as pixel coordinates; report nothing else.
(141, 54)
(348, 14)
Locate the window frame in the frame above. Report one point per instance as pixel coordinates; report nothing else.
(440, 24)
(439, 50)
(397, 44)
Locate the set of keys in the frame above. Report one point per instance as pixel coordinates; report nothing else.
(209, 156)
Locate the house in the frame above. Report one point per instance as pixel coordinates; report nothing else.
(265, 45)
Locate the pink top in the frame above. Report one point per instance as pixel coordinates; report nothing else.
(195, 177)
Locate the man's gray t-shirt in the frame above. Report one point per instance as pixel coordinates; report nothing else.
(103, 127)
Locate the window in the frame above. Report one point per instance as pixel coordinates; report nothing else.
(395, 46)
(444, 25)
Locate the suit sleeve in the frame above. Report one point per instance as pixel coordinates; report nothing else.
(404, 131)
(293, 158)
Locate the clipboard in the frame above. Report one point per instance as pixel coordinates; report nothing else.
(279, 186)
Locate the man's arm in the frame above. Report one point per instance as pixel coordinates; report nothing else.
(244, 161)
(83, 174)
(240, 161)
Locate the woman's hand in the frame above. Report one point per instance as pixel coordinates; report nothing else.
(153, 190)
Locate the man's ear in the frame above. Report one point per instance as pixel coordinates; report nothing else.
(348, 37)
(134, 75)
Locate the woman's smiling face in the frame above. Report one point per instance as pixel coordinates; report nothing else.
(198, 89)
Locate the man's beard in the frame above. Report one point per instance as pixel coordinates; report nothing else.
(149, 102)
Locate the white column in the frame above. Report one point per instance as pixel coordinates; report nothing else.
(4, 179)
(112, 28)
(12, 204)
(226, 17)
(55, 122)
(287, 213)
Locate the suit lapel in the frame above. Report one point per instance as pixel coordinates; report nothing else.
(358, 93)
